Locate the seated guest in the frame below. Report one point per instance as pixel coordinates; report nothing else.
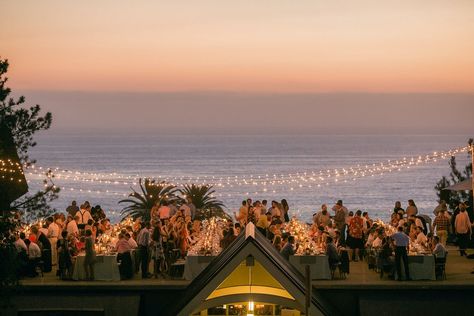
(331, 252)
(289, 250)
(34, 257)
(439, 251)
(420, 236)
(377, 243)
(20, 244)
(262, 223)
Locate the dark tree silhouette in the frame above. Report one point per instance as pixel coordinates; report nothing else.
(455, 176)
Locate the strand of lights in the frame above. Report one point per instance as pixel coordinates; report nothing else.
(293, 180)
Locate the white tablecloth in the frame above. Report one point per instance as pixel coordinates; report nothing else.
(422, 267)
(105, 268)
(194, 266)
(319, 266)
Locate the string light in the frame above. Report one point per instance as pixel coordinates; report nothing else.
(260, 183)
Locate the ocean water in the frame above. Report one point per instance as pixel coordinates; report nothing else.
(219, 159)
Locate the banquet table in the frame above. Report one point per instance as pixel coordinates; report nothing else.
(194, 265)
(105, 268)
(422, 267)
(319, 266)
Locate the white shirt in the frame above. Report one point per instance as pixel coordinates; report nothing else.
(72, 228)
(34, 251)
(53, 230)
(84, 216)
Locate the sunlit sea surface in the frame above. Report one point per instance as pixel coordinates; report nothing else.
(215, 158)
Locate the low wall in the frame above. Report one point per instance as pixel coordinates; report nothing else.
(156, 300)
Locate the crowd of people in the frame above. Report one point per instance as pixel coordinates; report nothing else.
(173, 228)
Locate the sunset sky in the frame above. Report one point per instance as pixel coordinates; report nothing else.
(256, 47)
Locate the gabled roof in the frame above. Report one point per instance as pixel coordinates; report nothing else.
(198, 294)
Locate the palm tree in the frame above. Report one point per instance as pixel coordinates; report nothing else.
(140, 203)
(202, 197)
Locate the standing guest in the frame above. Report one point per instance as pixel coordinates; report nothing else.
(123, 256)
(89, 259)
(411, 210)
(257, 209)
(289, 248)
(158, 253)
(441, 206)
(262, 223)
(72, 209)
(402, 242)
(60, 220)
(173, 207)
(133, 244)
(276, 211)
(441, 226)
(463, 229)
(264, 206)
(64, 256)
(164, 211)
(192, 207)
(322, 218)
(71, 228)
(97, 213)
(285, 210)
(34, 257)
(154, 212)
(143, 241)
(45, 250)
(277, 243)
(53, 235)
(367, 221)
(83, 216)
(243, 214)
(356, 233)
(33, 237)
(398, 208)
(228, 238)
(251, 218)
(341, 213)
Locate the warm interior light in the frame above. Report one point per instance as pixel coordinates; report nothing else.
(251, 306)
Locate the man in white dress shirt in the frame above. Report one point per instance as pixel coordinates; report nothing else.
(34, 256)
(53, 235)
(83, 216)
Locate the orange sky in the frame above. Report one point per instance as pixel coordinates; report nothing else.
(262, 46)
